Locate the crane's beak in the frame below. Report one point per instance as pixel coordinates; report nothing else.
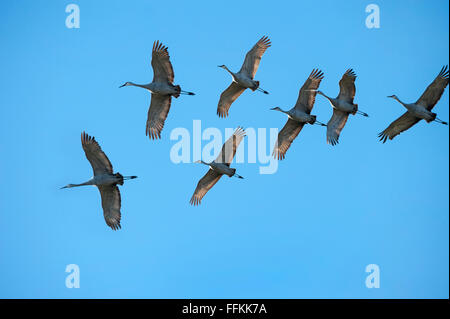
(122, 85)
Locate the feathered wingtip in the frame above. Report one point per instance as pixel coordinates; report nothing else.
(115, 226)
(153, 133)
(316, 74)
(86, 139)
(240, 132)
(158, 47)
(222, 113)
(351, 73)
(333, 141)
(265, 42)
(383, 137)
(444, 72)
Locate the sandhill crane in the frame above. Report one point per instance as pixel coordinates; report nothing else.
(162, 90)
(104, 179)
(342, 106)
(244, 78)
(299, 115)
(219, 167)
(421, 110)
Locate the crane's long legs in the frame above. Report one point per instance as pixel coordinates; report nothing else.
(238, 176)
(440, 121)
(362, 113)
(129, 177)
(261, 90)
(319, 123)
(187, 93)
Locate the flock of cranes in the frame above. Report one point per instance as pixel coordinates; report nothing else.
(162, 89)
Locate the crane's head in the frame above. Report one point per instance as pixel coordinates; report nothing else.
(393, 96)
(68, 186)
(200, 162)
(126, 84)
(222, 66)
(276, 109)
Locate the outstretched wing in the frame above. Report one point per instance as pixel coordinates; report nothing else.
(435, 90)
(230, 146)
(162, 68)
(204, 185)
(401, 124)
(307, 94)
(99, 161)
(285, 138)
(253, 57)
(157, 114)
(335, 126)
(228, 97)
(111, 205)
(347, 86)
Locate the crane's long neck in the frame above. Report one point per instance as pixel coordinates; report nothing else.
(282, 111)
(324, 95)
(332, 101)
(144, 86)
(398, 100)
(225, 67)
(89, 182)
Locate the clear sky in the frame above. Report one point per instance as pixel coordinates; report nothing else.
(307, 231)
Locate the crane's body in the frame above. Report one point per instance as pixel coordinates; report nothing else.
(161, 88)
(417, 110)
(219, 167)
(342, 106)
(420, 110)
(299, 115)
(105, 180)
(244, 79)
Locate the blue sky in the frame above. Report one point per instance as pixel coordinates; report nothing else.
(307, 231)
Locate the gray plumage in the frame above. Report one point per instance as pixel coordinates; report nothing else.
(105, 180)
(219, 167)
(299, 115)
(420, 110)
(162, 90)
(244, 78)
(343, 106)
